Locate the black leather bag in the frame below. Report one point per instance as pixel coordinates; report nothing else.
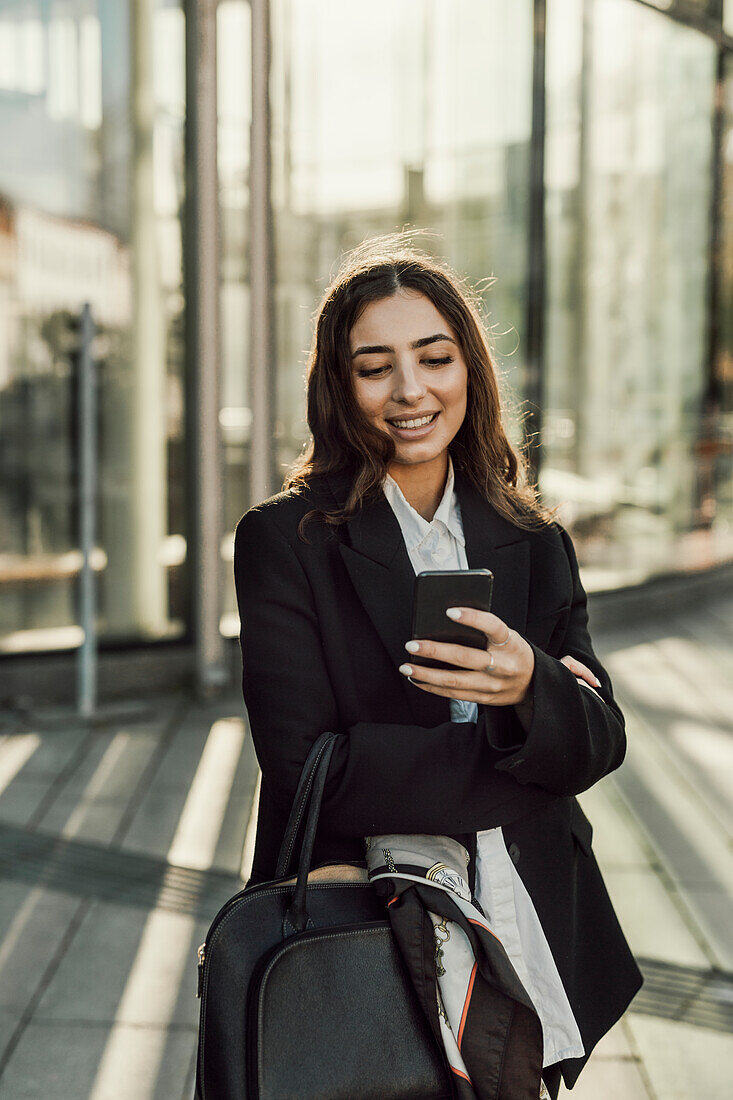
(304, 995)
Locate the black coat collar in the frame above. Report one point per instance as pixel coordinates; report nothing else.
(380, 569)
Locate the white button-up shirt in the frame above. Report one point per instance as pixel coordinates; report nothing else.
(440, 544)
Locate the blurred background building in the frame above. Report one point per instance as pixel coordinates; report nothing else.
(574, 158)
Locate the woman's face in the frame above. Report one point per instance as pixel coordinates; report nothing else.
(410, 377)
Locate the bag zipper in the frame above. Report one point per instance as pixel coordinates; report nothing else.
(201, 949)
(201, 952)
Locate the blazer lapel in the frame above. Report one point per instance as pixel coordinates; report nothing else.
(494, 543)
(382, 574)
(381, 571)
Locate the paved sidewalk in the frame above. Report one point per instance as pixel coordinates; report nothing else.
(118, 844)
(663, 834)
(100, 925)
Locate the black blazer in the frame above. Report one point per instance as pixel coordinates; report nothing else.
(323, 627)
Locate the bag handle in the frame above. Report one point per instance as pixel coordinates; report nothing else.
(300, 802)
(297, 919)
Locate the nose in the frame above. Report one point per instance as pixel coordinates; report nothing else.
(409, 388)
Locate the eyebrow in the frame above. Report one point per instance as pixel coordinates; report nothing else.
(372, 349)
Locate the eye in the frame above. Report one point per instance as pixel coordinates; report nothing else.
(374, 372)
(371, 373)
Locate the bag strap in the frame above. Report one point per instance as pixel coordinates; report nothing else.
(300, 803)
(296, 918)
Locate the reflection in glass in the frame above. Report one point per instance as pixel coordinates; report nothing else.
(91, 115)
(628, 191)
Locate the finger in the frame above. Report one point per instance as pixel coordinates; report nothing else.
(465, 696)
(495, 628)
(579, 669)
(455, 682)
(463, 656)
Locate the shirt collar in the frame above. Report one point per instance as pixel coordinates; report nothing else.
(414, 526)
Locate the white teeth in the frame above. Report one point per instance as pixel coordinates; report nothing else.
(413, 423)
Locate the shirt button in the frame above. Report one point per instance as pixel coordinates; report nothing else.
(514, 853)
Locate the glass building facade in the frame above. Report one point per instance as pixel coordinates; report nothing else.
(91, 185)
(593, 146)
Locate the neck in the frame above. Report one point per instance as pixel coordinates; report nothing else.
(423, 484)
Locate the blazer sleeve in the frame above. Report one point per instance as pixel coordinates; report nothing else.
(576, 734)
(383, 778)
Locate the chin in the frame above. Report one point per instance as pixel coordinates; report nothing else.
(412, 455)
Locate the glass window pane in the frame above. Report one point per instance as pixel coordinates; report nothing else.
(91, 186)
(629, 171)
(387, 115)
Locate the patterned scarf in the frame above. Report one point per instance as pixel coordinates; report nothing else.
(476, 1005)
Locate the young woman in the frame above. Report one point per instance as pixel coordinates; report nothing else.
(410, 468)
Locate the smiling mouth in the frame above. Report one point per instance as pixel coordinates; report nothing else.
(413, 422)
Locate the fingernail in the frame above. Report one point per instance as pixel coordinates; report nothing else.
(412, 647)
(406, 670)
(454, 612)
(598, 682)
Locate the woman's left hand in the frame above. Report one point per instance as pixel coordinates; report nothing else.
(498, 675)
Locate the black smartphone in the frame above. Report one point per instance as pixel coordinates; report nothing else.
(438, 589)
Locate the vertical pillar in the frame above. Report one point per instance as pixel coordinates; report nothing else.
(201, 266)
(534, 384)
(149, 488)
(579, 363)
(261, 267)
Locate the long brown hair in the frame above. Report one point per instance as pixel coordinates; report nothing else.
(343, 439)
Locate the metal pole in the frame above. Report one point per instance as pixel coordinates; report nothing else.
(262, 343)
(203, 346)
(87, 435)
